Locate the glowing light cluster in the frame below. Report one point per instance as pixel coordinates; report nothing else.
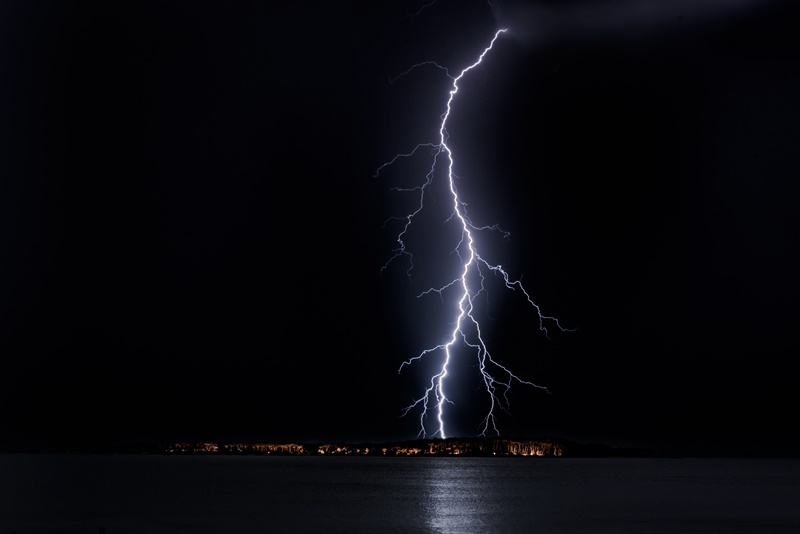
(496, 378)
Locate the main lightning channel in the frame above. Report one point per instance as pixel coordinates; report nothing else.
(496, 378)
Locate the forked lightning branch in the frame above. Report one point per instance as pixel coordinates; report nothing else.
(462, 329)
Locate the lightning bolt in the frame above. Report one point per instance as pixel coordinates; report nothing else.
(496, 379)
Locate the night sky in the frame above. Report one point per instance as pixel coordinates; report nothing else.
(193, 237)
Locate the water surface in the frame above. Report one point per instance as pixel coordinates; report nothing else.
(140, 494)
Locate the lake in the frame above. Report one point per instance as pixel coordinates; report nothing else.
(139, 494)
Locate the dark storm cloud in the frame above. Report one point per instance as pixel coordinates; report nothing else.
(543, 22)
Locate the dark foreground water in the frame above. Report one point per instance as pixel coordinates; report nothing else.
(133, 494)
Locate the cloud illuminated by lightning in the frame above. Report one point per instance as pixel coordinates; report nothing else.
(496, 378)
